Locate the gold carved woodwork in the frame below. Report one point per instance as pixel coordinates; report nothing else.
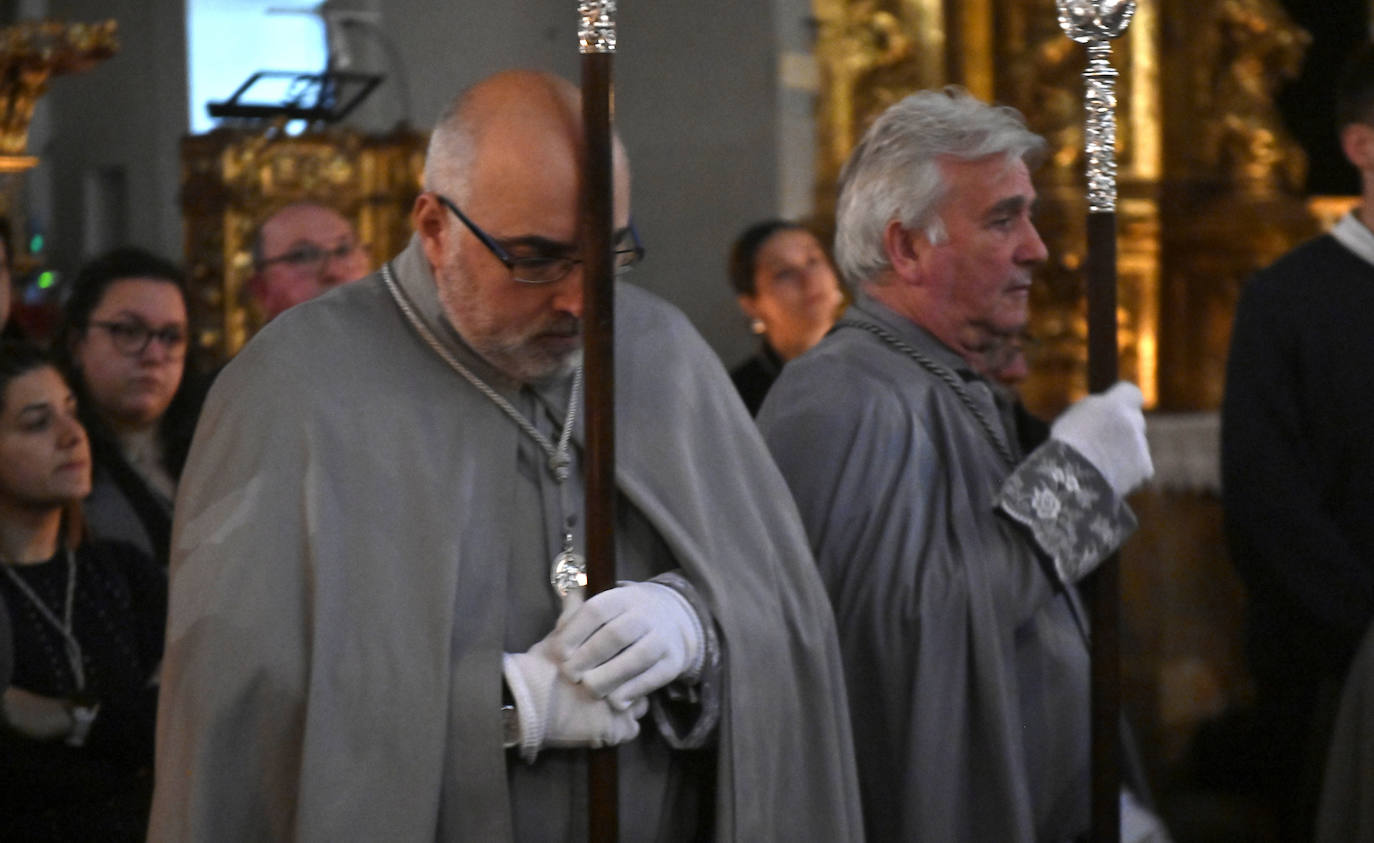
(1208, 177)
(233, 179)
(1231, 183)
(31, 53)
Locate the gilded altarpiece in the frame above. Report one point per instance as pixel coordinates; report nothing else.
(1208, 179)
(233, 179)
(1209, 192)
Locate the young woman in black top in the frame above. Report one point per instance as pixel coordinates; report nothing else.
(86, 622)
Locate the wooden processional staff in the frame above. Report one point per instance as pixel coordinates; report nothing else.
(1095, 23)
(596, 38)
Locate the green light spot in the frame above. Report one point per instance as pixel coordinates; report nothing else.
(45, 280)
(36, 243)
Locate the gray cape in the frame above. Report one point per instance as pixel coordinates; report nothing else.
(968, 674)
(341, 490)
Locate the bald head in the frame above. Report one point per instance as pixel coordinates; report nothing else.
(521, 115)
(509, 155)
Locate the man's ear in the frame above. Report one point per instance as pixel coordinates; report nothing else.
(746, 303)
(427, 220)
(907, 250)
(1357, 142)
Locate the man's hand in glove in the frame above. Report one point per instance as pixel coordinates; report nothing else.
(555, 712)
(629, 641)
(1109, 431)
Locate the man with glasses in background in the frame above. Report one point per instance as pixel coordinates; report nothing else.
(301, 251)
(377, 630)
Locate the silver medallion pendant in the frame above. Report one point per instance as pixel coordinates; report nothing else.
(569, 572)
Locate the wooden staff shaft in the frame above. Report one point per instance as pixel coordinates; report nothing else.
(1103, 586)
(599, 385)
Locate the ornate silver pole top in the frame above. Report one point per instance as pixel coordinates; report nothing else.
(1095, 23)
(1094, 20)
(597, 31)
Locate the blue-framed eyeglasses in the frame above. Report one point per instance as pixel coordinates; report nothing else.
(545, 270)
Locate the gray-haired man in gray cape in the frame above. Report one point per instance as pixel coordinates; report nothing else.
(364, 642)
(950, 556)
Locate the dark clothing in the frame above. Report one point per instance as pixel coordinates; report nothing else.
(1347, 800)
(755, 376)
(103, 790)
(1031, 430)
(1298, 482)
(1298, 460)
(122, 506)
(6, 649)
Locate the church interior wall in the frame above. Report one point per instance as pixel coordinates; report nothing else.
(107, 145)
(697, 99)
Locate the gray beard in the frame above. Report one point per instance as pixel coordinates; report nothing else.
(525, 366)
(518, 361)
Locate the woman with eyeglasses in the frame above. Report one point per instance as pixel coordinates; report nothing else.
(123, 343)
(86, 620)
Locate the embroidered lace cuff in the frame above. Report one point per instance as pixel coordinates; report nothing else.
(687, 711)
(1068, 507)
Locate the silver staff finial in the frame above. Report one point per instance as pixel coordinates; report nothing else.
(597, 32)
(1086, 20)
(1095, 23)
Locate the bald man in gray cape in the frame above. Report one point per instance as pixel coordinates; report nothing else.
(949, 554)
(364, 642)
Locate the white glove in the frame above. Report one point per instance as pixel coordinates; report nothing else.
(1109, 431)
(631, 640)
(554, 712)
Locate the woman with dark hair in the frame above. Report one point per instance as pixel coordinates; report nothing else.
(123, 343)
(787, 287)
(76, 736)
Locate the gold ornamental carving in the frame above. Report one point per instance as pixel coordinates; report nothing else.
(1231, 183)
(31, 53)
(1252, 48)
(233, 179)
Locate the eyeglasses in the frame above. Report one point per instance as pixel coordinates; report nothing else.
(310, 257)
(546, 270)
(131, 338)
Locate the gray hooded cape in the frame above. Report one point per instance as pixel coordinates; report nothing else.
(968, 672)
(345, 484)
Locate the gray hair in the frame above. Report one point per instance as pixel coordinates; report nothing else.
(894, 173)
(448, 158)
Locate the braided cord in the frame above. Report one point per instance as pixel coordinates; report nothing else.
(951, 379)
